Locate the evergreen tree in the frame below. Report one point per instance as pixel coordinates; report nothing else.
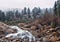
(2, 16)
(55, 9)
(17, 14)
(46, 13)
(28, 12)
(58, 8)
(35, 12)
(25, 11)
(9, 15)
(39, 10)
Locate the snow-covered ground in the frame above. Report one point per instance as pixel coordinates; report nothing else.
(23, 34)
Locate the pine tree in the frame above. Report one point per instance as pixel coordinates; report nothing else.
(2, 16)
(28, 12)
(58, 9)
(55, 9)
(25, 10)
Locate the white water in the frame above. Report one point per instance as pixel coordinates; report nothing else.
(23, 34)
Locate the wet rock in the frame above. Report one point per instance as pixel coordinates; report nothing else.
(23, 34)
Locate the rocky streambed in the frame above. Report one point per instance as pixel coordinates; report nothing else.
(29, 33)
(14, 34)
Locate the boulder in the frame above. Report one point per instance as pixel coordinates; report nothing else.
(21, 24)
(45, 39)
(33, 27)
(5, 29)
(27, 26)
(53, 39)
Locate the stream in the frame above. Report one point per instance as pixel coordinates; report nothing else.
(23, 34)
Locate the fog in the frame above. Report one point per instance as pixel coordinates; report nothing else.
(26, 3)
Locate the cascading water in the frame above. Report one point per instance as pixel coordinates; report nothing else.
(23, 34)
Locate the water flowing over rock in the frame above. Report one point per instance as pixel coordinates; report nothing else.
(23, 34)
(29, 33)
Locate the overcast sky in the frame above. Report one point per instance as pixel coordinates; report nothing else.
(26, 3)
